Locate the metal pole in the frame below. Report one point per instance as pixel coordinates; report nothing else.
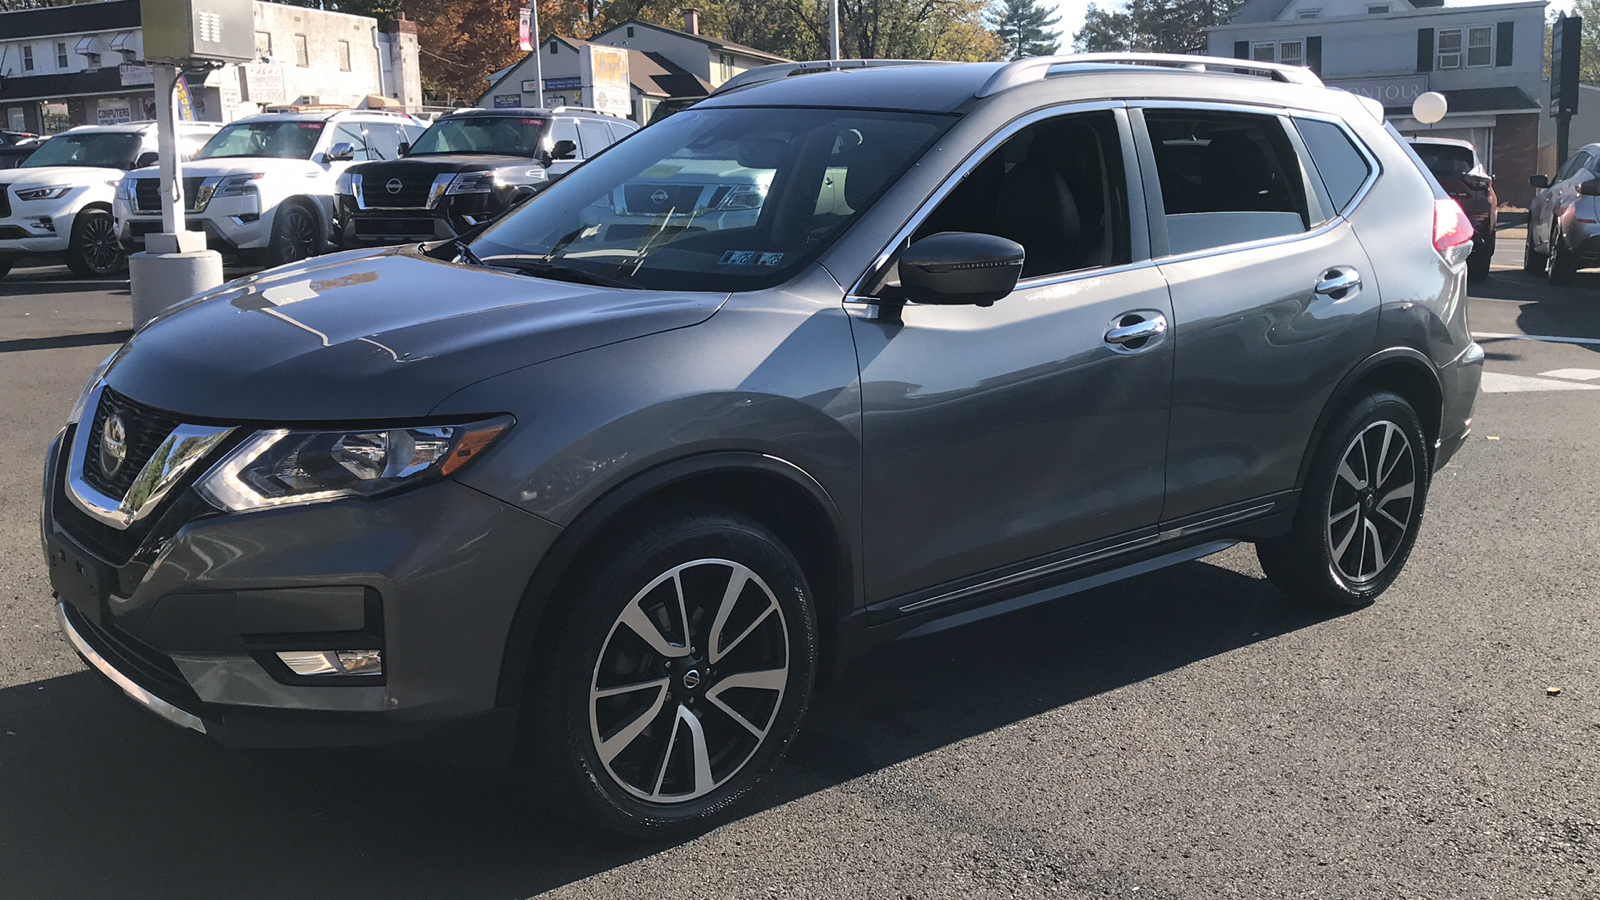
(1563, 138)
(538, 57)
(833, 29)
(166, 79)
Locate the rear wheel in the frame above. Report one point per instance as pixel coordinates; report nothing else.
(5, 265)
(94, 251)
(295, 235)
(1559, 266)
(1533, 262)
(678, 678)
(1361, 508)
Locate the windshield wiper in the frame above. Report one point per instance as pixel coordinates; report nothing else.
(464, 252)
(544, 267)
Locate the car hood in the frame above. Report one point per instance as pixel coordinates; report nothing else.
(369, 335)
(58, 175)
(201, 168)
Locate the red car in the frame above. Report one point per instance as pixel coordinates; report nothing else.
(1460, 172)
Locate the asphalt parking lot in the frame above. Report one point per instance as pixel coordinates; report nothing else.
(1187, 734)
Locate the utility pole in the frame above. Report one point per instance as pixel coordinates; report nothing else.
(538, 58)
(833, 29)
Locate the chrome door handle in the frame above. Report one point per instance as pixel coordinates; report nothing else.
(1154, 326)
(1337, 279)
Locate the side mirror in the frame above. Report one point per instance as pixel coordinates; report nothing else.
(1539, 181)
(344, 151)
(564, 150)
(147, 158)
(405, 147)
(959, 267)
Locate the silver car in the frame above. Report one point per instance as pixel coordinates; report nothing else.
(1564, 219)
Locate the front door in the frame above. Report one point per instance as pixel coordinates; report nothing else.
(996, 438)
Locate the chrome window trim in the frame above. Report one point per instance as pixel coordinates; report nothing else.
(858, 291)
(182, 448)
(1279, 113)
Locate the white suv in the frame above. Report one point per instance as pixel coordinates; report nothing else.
(266, 183)
(58, 202)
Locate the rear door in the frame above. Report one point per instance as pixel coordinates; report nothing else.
(1273, 298)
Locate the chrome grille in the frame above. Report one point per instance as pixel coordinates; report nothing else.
(146, 429)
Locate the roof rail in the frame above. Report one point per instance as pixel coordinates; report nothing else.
(557, 109)
(779, 71)
(1027, 71)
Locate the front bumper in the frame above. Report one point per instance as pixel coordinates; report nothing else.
(36, 227)
(451, 216)
(186, 611)
(230, 224)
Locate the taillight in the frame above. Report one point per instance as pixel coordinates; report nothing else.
(1452, 232)
(1590, 188)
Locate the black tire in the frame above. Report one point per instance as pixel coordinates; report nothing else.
(296, 234)
(93, 250)
(1533, 262)
(650, 786)
(1480, 260)
(1559, 265)
(5, 266)
(1314, 561)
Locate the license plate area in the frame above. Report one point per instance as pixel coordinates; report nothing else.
(80, 580)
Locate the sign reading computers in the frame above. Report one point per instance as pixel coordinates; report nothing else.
(180, 31)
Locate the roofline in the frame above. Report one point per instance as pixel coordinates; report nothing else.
(1383, 17)
(710, 42)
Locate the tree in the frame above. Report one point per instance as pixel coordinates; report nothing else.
(1156, 26)
(1024, 28)
(1104, 31)
(1589, 55)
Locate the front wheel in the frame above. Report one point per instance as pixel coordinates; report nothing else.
(1360, 510)
(93, 250)
(294, 235)
(5, 266)
(1533, 262)
(678, 678)
(1560, 266)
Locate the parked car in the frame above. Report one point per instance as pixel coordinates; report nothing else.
(465, 170)
(1563, 236)
(1461, 173)
(632, 495)
(263, 187)
(16, 146)
(58, 201)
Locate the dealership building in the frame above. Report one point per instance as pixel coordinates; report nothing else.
(1487, 60)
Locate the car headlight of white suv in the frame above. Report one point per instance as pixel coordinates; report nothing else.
(43, 193)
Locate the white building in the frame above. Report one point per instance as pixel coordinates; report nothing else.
(1487, 60)
(74, 65)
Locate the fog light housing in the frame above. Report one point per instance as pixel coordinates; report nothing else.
(333, 662)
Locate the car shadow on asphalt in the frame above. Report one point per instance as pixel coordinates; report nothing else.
(56, 342)
(1569, 310)
(101, 799)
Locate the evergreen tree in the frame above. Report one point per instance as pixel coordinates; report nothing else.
(1158, 26)
(1025, 28)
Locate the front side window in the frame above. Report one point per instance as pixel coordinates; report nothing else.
(1226, 178)
(1056, 187)
(105, 149)
(596, 136)
(565, 130)
(351, 133)
(1450, 48)
(383, 140)
(715, 200)
(502, 135)
(283, 140)
(1480, 46)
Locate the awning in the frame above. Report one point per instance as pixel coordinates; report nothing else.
(1478, 101)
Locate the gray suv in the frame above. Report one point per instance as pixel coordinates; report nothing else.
(632, 492)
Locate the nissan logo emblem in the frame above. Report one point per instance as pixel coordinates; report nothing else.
(660, 196)
(113, 445)
(691, 679)
(393, 186)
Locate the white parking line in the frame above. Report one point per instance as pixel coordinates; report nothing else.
(1501, 383)
(1572, 374)
(1547, 338)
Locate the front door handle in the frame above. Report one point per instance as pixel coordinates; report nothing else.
(1132, 335)
(1339, 281)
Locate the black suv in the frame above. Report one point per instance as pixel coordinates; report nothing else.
(972, 337)
(466, 169)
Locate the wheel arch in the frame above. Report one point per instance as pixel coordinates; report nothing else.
(1403, 370)
(323, 217)
(773, 491)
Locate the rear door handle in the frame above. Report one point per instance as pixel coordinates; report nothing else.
(1137, 332)
(1339, 280)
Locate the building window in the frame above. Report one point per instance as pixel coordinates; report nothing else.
(1267, 52)
(1449, 48)
(61, 55)
(27, 58)
(1292, 53)
(302, 53)
(263, 44)
(552, 47)
(344, 56)
(1308, 13)
(1377, 9)
(630, 31)
(1480, 46)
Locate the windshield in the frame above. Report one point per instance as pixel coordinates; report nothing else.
(1445, 160)
(716, 199)
(284, 140)
(104, 149)
(508, 135)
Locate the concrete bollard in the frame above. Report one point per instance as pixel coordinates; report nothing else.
(170, 271)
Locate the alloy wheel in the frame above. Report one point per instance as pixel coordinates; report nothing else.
(98, 244)
(689, 681)
(299, 238)
(1371, 504)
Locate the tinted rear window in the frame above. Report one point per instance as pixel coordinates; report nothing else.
(1446, 161)
(1341, 165)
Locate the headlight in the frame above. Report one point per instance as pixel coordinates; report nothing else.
(125, 190)
(44, 193)
(472, 183)
(746, 197)
(283, 468)
(99, 372)
(346, 184)
(238, 185)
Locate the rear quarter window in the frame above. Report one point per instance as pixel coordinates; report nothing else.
(1342, 167)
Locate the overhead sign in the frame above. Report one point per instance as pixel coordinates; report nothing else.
(507, 101)
(604, 74)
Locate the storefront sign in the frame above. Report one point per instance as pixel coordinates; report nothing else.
(135, 76)
(263, 83)
(559, 84)
(113, 111)
(507, 101)
(1401, 90)
(604, 71)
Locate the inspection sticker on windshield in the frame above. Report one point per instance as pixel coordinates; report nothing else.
(749, 258)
